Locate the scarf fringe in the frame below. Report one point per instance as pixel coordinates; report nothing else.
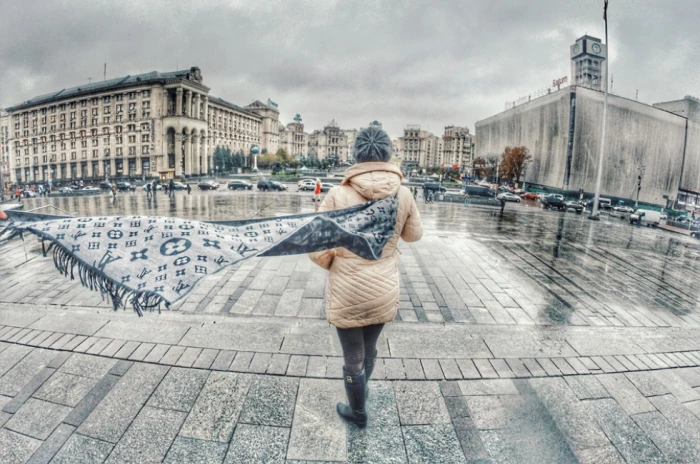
(97, 281)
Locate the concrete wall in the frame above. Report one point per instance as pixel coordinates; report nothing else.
(542, 126)
(691, 169)
(636, 134)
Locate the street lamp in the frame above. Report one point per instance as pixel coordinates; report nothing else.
(254, 150)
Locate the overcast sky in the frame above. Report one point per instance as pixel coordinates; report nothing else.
(432, 63)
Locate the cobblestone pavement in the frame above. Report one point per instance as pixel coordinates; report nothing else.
(532, 337)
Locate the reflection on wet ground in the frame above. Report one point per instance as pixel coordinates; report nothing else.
(474, 265)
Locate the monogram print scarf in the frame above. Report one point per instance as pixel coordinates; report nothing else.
(146, 261)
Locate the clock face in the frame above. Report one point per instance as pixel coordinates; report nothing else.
(596, 48)
(577, 47)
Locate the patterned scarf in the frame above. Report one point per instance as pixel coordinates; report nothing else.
(149, 260)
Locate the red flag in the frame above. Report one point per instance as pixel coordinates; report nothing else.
(605, 11)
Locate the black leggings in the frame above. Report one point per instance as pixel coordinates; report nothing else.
(358, 343)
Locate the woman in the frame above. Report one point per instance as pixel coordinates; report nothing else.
(363, 295)
(317, 190)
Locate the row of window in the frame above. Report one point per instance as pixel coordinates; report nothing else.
(84, 103)
(93, 133)
(119, 118)
(145, 150)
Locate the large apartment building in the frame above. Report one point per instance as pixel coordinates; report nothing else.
(419, 148)
(155, 124)
(457, 147)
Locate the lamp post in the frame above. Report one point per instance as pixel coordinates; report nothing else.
(596, 197)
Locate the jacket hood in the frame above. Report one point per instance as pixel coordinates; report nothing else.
(374, 180)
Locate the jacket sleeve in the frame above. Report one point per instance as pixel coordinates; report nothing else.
(325, 258)
(413, 227)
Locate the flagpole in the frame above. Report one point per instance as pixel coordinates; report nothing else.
(596, 198)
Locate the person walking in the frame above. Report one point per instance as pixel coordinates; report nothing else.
(153, 188)
(148, 190)
(426, 192)
(189, 188)
(114, 191)
(171, 187)
(317, 190)
(363, 295)
(19, 195)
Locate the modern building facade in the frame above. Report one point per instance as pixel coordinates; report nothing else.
(562, 131)
(419, 148)
(150, 125)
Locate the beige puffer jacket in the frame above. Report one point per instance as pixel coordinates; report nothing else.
(363, 292)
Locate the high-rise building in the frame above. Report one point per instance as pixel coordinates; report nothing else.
(419, 148)
(332, 143)
(457, 148)
(5, 181)
(587, 56)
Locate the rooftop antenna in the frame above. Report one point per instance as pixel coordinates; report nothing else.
(636, 96)
(89, 79)
(612, 76)
(104, 78)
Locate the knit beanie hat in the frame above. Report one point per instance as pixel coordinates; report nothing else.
(372, 144)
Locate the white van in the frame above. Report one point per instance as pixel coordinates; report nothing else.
(646, 217)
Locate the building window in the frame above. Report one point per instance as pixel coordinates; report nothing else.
(119, 151)
(145, 137)
(105, 120)
(132, 151)
(132, 128)
(118, 139)
(83, 103)
(146, 93)
(119, 97)
(107, 99)
(145, 105)
(120, 108)
(83, 154)
(132, 139)
(132, 95)
(94, 154)
(119, 118)
(144, 150)
(108, 109)
(106, 152)
(146, 115)
(95, 142)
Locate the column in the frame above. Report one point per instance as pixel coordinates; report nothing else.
(190, 155)
(196, 170)
(178, 102)
(206, 108)
(197, 100)
(188, 103)
(178, 154)
(205, 154)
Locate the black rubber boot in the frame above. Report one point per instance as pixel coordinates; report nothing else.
(355, 385)
(369, 368)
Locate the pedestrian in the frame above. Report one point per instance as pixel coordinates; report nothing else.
(317, 190)
(415, 192)
(425, 193)
(363, 295)
(466, 199)
(153, 187)
(171, 187)
(503, 204)
(114, 191)
(189, 189)
(19, 195)
(148, 190)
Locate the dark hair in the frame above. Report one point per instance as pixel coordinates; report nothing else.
(372, 144)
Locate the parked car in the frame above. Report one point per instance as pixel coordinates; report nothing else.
(265, 185)
(66, 190)
(529, 196)
(89, 189)
(326, 186)
(623, 209)
(507, 196)
(306, 184)
(105, 185)
(125, 187)
(575, 205)
(434, 187)
(181, 186)
(646, 217)
(208, 185)
(240, 185)
(554, 200)
(28, 194)
(478, 191)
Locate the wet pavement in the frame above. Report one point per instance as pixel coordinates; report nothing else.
(535, 336)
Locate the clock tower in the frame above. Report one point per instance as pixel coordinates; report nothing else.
(587, 67)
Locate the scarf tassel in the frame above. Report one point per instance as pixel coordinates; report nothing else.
(95, 280)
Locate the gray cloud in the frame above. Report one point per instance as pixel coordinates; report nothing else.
(431, 63)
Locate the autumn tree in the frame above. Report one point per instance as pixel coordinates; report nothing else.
(485, 168)
(514, 161)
